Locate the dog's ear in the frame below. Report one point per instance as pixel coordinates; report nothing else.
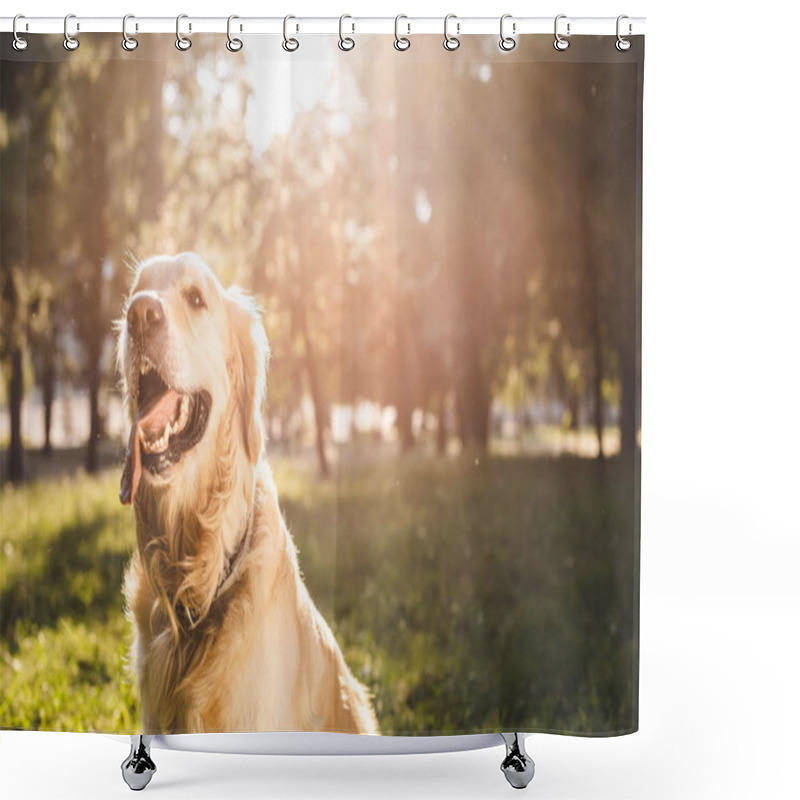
(249, 366)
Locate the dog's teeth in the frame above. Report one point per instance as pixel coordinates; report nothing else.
(183, 413)
(172, 428)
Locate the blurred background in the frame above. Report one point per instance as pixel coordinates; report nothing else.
(445, 247)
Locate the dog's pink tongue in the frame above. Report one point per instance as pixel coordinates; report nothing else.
(152, 423)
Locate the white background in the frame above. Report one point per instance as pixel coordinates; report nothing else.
(720, 611)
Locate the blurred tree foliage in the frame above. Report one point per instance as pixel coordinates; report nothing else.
(429, 234)
(72, 201)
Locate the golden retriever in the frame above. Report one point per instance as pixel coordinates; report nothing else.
(227, 637)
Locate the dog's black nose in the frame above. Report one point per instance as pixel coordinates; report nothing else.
(145, 316)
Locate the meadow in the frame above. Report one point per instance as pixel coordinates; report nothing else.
(468, 593)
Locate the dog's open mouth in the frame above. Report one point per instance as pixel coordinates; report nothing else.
(167, 424)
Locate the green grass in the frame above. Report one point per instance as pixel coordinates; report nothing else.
(467, 594)
(63, 635)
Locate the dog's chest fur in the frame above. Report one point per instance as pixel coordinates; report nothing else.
(263, 659)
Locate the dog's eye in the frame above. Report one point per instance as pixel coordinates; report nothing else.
(194, 298)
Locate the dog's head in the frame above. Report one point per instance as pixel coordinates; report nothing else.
(192, 355)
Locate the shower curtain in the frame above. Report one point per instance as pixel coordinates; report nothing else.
(442, 250)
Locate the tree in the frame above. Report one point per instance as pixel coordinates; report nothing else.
(104, 216)
(26, 156)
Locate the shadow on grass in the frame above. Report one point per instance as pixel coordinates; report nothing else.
(466, 593)
(62, 461)
(475, 593)
(77, 579)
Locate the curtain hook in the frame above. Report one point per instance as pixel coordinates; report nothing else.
(289, 44)
(401, 42)
(182, 42)
(19, 43)
(70, 42)
(129, 43)
(346, 43)
(560, 42)
(623, 44)
(233, 44)
(507, 43)
(451, 42)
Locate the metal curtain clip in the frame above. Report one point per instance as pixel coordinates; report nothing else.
(623, 44)
(451, 42)
(70, 42)
(182, 42)
(401, 42)
(507, 43)
(233, 44)
(18, 42)
(346, 43)
(290, 44)
(560, 42)
(129, 43)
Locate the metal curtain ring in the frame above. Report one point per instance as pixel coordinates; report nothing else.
(346, 43)
(451, 42)
(233, 44)
(400, 42)
(19, 43)
(182, 42)
(507, 43)
(560, 42)
(623, 44)
(129, 43)
(289, 44)
(70, 42)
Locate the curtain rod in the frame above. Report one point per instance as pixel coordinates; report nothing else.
(300, 25)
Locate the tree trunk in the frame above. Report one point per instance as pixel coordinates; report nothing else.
(407, 370)
(405, 402)
(405, 428)
(475, 403)
(95, 421)
(153, 186)
(574, 405)
(316, 392)
(598, 393)
(48, 396)
(16, 453)
(629, 403)
(441, 427)
(592, 282)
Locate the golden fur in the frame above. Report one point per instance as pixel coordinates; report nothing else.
(258, 656)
